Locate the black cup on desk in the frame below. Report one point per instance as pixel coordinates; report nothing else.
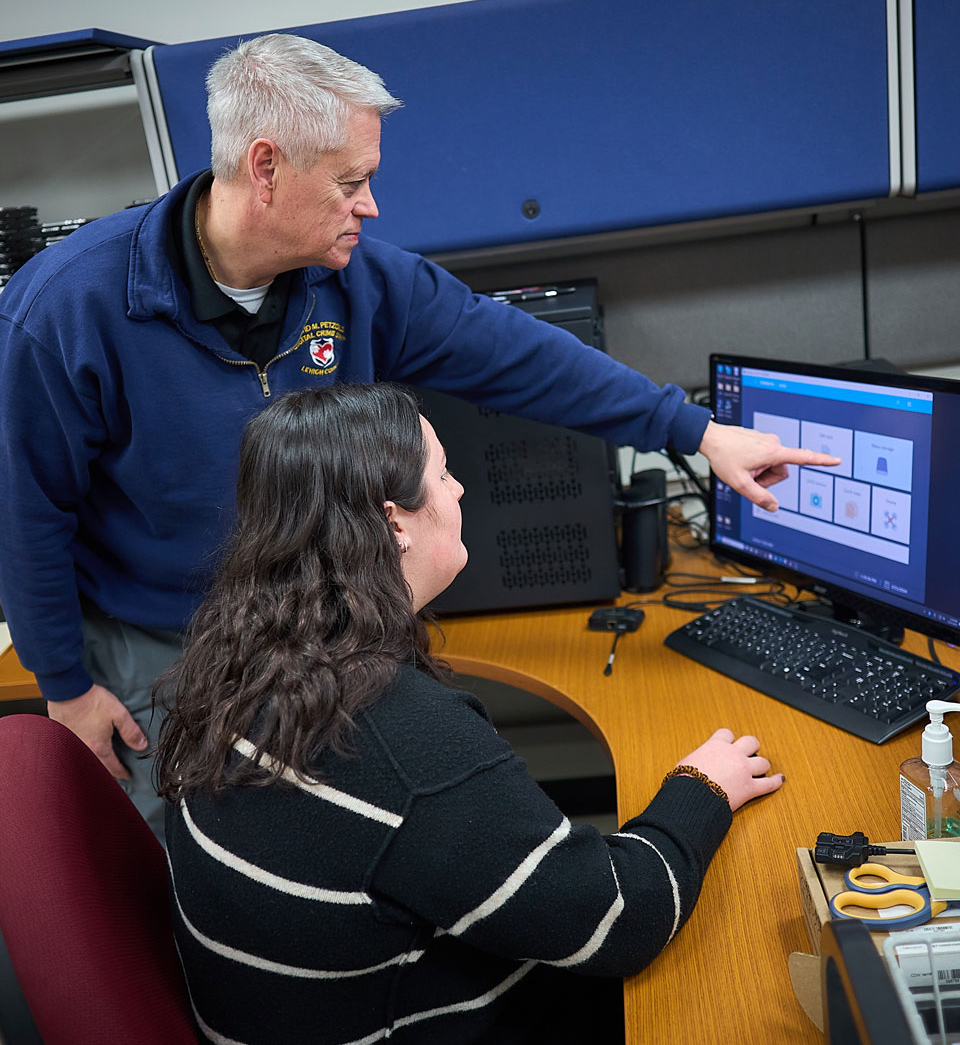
(645, 554)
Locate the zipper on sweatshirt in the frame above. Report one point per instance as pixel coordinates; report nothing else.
(262, 374)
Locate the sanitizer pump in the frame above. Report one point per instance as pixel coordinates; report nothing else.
(930, 784)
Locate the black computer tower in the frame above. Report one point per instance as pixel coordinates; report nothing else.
(538, 511)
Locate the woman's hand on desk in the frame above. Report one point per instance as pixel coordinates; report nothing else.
(735, 765)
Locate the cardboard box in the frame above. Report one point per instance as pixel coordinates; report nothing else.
(813, 896)
(818, 882)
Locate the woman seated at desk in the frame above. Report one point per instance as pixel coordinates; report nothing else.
(355, 852)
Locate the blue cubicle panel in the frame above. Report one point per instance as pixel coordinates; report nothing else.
(610, 114)
(937, 48)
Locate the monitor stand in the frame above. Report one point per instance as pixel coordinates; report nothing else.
(859, 618)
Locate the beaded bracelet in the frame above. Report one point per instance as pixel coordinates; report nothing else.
(698, 774)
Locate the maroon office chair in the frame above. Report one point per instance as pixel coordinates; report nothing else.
(83, 896)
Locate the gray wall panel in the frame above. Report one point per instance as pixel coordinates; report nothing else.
(76, 155)
(787, 294)
(914, 281)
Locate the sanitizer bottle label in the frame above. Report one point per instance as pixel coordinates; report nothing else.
(913, 811)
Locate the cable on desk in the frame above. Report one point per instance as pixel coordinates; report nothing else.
(934, 656)
(688, 584)
(711, 585)
(608, 670)
(619, 619)
(677, 602)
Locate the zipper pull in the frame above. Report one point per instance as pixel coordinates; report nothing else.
(262, 374)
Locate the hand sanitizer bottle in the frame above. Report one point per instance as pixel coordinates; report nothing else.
(930, 784)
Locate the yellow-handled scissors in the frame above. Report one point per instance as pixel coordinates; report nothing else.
(892, 889)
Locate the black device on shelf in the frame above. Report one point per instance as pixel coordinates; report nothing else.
(538, 508)
(874, 537)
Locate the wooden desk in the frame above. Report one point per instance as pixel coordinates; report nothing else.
(724, 977)
(16, 683)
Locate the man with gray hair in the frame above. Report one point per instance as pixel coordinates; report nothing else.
(133, 353)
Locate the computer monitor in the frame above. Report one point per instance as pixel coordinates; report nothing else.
(878, 536)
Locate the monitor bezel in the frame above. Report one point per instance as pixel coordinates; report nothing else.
(871, 611)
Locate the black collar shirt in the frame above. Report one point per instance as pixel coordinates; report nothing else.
(255, 336)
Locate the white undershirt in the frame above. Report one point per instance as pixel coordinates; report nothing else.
(249, 300)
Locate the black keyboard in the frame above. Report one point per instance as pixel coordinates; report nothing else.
(831, 670)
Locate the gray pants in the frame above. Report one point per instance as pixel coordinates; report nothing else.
(127, 659)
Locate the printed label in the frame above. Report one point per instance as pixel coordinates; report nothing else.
(913, 811)
(914, 962)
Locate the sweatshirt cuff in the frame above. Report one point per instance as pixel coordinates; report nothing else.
(65, 685)
(687, 428)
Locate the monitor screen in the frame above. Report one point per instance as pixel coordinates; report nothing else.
(877, 533)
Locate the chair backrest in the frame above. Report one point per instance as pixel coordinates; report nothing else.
(84, 896)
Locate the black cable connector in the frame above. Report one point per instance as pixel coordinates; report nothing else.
(848, 850)
(608, 670)
(619, 619)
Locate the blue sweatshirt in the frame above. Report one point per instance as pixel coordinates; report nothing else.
(121, 413)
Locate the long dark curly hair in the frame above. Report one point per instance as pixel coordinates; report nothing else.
(309, 615)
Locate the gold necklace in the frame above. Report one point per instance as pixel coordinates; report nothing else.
(200, 244)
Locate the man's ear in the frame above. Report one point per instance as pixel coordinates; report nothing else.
(263, 159)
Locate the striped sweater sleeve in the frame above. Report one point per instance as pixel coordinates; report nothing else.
(492, 861)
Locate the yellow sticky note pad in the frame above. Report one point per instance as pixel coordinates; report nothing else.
(940, 863)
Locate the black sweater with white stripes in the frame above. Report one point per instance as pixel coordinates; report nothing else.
(408, 893)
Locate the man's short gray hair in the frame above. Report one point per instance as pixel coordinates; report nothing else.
(291, 90)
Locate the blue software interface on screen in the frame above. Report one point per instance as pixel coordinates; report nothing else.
(862, 525)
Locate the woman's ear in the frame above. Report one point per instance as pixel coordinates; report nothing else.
(396, 517)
